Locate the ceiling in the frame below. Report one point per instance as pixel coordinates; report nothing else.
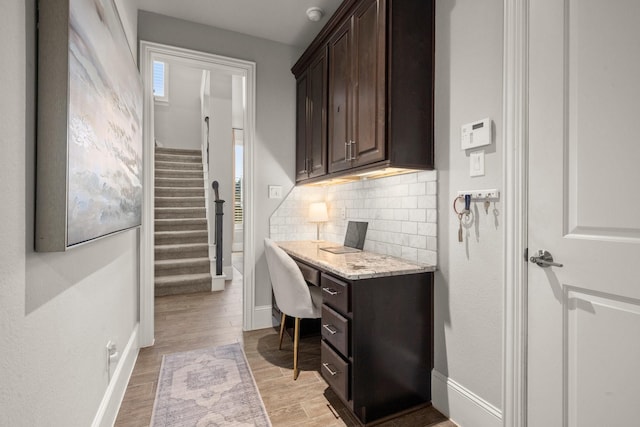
(283, 21)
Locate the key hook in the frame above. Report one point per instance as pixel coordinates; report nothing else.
(467, 205)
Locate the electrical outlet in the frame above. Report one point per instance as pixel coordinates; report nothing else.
(343, 213)
(112, 356)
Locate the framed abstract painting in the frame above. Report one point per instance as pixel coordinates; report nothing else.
(89, 136)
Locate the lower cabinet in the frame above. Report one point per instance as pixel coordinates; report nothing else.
(377, 342)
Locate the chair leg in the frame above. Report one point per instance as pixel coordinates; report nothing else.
(282, 321)
(296, 340)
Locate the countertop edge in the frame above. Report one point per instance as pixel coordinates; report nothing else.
(365, 273)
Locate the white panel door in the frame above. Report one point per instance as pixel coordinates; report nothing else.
(584, 179)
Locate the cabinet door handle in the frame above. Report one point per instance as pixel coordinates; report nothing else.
(333, 373)
(346, 151)
(330, 328)
(352, 148)
(330, 291)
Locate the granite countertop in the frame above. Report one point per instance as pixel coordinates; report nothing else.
(352, 266)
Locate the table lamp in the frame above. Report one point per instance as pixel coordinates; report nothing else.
(318, 214)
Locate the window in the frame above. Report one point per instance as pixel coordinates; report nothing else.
(160, 81)
(237, 202)
(238, 196)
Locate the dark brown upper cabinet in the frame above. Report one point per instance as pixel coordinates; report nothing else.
(311, 119)
(356, 89)
(379, 88)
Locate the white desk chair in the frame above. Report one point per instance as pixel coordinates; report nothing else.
(294, 297)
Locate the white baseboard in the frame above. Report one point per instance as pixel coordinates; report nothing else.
(227, 270)
(262, 317)
(217, 282)
(110, 405)
(462, 406)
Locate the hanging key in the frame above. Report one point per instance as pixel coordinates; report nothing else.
(487, 204)
(460, 229)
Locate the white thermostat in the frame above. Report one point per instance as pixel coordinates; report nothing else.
(476, 134)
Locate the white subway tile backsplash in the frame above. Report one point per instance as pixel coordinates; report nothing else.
(401, 212)
(427, 257)
(418, 215)
(409, 253)
(418, 242)
(427, 229)
(427, 202)
(394, 250)
(432, 243)
(432, 215)
(418, 189)
(426, 176)
(432, 188)
(410, 227)
(409, 202)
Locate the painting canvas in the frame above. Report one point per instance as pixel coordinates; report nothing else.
(104, 170)
(89, 140)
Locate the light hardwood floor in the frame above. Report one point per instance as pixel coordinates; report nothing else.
(188, 322)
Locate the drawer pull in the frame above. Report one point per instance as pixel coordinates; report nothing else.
(333, 373)
(330, 291)
(330, 328)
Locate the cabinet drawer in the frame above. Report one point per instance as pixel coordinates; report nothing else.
(335, 370)
(335, 329)
(309, 273)
(335, 293)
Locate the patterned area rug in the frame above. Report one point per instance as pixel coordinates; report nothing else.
(208, 388)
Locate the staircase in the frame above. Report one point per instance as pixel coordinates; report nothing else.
(181, 237)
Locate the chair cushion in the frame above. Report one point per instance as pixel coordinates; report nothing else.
(292, 293)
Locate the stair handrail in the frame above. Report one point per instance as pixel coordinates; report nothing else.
(206, 120)
(218, 233)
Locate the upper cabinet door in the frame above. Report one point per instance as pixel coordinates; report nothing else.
(317, 116)
(368, 109)
(339, 109)
(311, 121)
(301, 127)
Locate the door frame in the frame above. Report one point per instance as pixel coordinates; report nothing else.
(148, 52)
(515, 182)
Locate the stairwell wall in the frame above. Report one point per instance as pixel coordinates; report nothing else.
(177, 123)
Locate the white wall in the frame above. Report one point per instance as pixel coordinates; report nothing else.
(274, 145)
(177, 124)
(237, 98)
(468, 286)
(128, 10)
(57, 310)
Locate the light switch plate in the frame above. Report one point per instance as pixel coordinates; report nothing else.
(476, 163)
(275, 192)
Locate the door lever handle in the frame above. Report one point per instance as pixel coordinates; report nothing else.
(544, 259)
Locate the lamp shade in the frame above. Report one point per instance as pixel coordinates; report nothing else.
(318, 212)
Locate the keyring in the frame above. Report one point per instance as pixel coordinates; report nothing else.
(454, 206)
